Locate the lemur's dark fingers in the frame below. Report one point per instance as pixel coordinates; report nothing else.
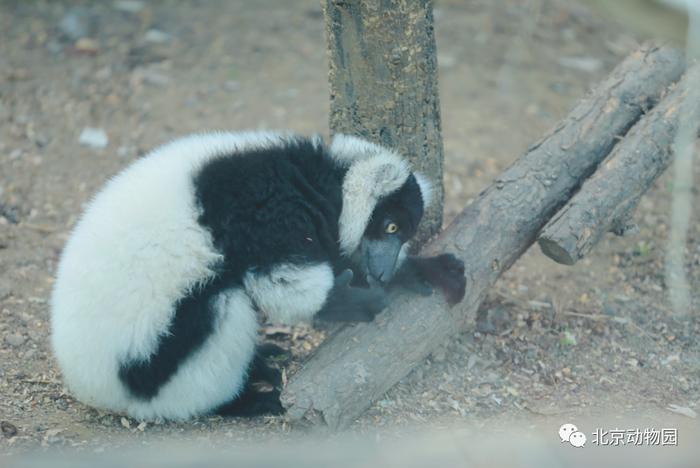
(452, 264)
(344, 278)
(447, 273)
(454, 288)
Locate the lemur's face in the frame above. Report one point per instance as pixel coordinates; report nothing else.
(394, 221)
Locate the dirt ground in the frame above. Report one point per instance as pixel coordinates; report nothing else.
(560, 343)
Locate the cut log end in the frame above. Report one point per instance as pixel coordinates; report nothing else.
(607, 200)
(556, 252)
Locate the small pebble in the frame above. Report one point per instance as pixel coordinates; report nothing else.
(232, 86)
(151, 77)
(62, 404)
(446, 61)
(156, 36)
(15, 339)
(439, 355)
(86, 46)
(584, 64)
(94, 138)
(128, 6)
(8, 429)
(74, 24)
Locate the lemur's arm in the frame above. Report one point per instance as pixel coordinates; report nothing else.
(346, 303)
(444, 271)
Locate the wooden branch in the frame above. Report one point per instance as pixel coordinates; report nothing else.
(607, 200)
(384, 85)
(359, 364)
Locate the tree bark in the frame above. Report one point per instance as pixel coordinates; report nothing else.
(383, 82)
(607, 200)
(357, 365)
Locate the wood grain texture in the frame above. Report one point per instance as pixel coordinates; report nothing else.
(384, 84)
(607, 200)
(358, 364)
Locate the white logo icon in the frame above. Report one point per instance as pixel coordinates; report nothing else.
(566, 430)
(570, 433)
(577, 439)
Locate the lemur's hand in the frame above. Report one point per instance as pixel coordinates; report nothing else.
(443, 271)
(346, 303)
(410, 278)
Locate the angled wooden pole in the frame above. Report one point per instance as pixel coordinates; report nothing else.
(357, 365)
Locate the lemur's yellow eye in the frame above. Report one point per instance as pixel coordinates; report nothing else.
(391, 228)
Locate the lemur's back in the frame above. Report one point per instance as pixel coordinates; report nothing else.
(141, 234)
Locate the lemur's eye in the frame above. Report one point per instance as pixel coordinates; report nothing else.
(391, 228)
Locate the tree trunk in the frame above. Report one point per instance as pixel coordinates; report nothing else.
(383, 81)
(607, 200)
(359, 364)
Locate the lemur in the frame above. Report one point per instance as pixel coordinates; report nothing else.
(154, 306)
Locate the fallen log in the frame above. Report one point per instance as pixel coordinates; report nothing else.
(354, 367)
(607, 199)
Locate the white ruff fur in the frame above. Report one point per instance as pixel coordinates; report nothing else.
(136, 250)
(290, 293)
(347, 149)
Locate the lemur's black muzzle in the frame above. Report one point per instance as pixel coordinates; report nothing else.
(381, 257)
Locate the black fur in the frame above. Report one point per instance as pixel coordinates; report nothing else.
(251, 402)
(263, 207)
(261, 371)
(270, 206)
(443, 271)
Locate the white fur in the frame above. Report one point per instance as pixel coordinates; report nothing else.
(290, 293)
(138, 249)
(347, 149)
(426, 189)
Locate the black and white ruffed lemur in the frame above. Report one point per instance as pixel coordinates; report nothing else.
(154, 306)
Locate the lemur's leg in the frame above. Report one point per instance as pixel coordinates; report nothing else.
(271, 350)
(250, 403)
(443, 271)
(346, 303)
(260, 370)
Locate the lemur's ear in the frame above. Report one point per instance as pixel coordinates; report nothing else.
(384, 175)
(426, 189)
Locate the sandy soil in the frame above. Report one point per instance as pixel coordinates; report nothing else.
(596, 339)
